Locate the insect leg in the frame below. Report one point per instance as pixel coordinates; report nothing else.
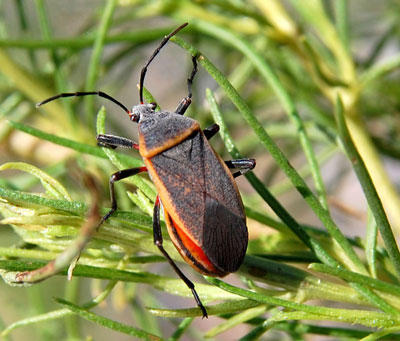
(243, 164)
(122, 174)
(113, 141)
(210, 131)
(184, 104)
(158, 241)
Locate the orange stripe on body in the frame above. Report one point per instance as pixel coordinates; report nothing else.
(194, 250)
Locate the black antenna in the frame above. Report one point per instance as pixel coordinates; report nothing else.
(85, 93)
(155, 53)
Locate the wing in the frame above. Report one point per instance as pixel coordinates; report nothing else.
(199, 193)
(225, 237)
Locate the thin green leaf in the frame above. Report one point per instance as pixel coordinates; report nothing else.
(369, 190)
(357, 278)
(183, 326)
(72, 321)
(77, 146)
(57, 314)
(371, 240)
(381, 333)
(265, 70)
(217, 309)
(342, 21)
(53, 315)
(366, 318)
(94, 63)
(315, 15)
(166, 284)
(376, 299)
(333, 332)
(52, 186)
(75, 207)
(137, 37)
(236, 320)
(380, 70)
(105, 322)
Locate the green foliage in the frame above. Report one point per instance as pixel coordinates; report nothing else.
(292, 87)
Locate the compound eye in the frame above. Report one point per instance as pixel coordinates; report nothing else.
(153, 105)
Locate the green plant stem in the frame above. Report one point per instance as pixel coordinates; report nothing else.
(75, 207)
(232, 306)
(114, 325)
(342, 23)
(285, 185)
(77, 146)
(383, 184)
(183, 326)
(357, 278)
(308, 287)
(170, 285)
(380, 45)
(24, 253)
(52, 186)
(236, 320)
(316, 17)
(371, 241)
(381, 333)
(366, 318)
(94, 63)
(56, 314)
(369, 190)
(138, 37)
(72, 322)
(379, 70)
(335, 332)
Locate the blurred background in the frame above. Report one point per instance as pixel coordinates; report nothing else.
(48, 47)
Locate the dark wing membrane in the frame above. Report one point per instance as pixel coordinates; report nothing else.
(225, 238)
(181, 170)
(206, 199)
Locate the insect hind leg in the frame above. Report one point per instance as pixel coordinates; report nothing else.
(158, 241)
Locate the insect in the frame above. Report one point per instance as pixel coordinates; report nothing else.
(202, 206)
